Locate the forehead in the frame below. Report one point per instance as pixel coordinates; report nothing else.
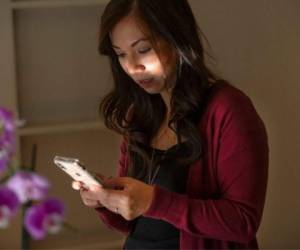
(126, 31)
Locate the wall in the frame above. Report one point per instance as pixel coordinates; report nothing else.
(256, 44)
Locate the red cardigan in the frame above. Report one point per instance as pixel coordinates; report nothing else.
(226, 189)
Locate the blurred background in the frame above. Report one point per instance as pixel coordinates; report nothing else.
(53, 79)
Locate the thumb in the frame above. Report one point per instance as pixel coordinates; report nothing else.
(116, 182)
(100, 176)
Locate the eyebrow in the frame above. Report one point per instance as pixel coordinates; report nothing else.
(133, 44)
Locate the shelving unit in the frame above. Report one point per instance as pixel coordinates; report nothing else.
(60, 128)
(54, 79)
(23, 4)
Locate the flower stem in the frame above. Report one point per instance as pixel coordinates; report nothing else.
(25, 244)
(69, 227)
(25, 234)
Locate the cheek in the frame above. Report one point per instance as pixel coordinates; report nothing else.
(122, 64)
(153, 66)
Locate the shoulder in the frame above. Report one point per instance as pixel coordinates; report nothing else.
(225, 99)
(223, 94)
(231, 116)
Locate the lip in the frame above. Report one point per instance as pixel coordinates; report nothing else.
(145, 81)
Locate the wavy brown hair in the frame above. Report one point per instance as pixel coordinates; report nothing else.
(173, 22)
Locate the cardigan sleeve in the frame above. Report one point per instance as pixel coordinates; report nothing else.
(242, 169)
(112, 220)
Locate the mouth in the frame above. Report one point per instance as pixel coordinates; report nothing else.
(145, 81)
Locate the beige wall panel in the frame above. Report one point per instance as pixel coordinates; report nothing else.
(257, 47)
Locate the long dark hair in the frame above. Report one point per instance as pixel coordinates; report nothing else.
(138, 115)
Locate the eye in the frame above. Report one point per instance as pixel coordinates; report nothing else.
(120, 55)
(144, 51)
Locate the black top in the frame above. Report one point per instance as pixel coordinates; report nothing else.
(149, 233)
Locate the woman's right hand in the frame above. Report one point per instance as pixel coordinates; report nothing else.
(77, 185)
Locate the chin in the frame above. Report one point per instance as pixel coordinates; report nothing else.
(152, 91)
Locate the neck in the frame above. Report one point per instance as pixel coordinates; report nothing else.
(167, 92)
(166, 96)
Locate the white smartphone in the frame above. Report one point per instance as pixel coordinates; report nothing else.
(77, 171)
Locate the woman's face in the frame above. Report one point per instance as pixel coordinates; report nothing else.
(139, 59)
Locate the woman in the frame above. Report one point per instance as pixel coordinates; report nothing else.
(193, 167)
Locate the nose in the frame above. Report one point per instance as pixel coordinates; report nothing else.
(133, 66)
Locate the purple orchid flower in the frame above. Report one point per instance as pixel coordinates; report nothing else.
(9, 204)
(7, 138)
(7, 127)
(29, 186)
(46, 217)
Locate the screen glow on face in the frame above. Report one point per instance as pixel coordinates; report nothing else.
(138, 58)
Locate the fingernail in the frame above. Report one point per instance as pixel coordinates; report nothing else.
(75, 187)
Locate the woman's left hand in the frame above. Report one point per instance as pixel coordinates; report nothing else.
(124, 195)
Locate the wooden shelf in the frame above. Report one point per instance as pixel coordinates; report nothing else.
(60, 128)
(54, 3)
(101, 239)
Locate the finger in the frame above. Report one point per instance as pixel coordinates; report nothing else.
(88, 199)
(116, 182)
(76, 185)
(93, 193)
(95, 188)
(90, 203)
(101, 176)
(113, 198)
(108, 197)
